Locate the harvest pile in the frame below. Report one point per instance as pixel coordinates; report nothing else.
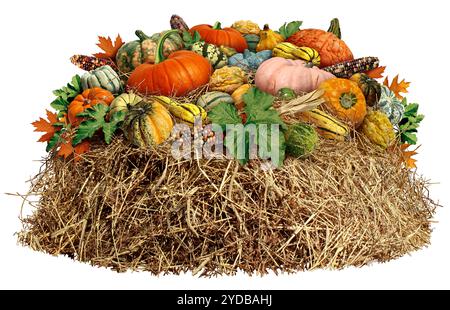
(333, 183)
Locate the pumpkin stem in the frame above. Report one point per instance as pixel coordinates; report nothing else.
(335, 28)
(348, 100)
(141, 35)
(217, 26)
(266, 27)
(160, 47)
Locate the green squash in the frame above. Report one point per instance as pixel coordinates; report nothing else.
(212, 99)
(252, 41)
(104, 77)
(370, 88)
(211, 52)
(301, 140)
(134, 53)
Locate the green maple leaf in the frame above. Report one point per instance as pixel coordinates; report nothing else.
(259, 108)
(410, 123)
(66, 94)
(224, 114)
(95, 120)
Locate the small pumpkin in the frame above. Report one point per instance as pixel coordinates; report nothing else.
(301, 140)
(87, 99)
(378, 129)
(213, 98)
(370, 88)
(180, 73)
(147, 123)
(246, 27)
(249, 61)
(268, 39)
(390, 105)
(345, 100)
(211, 52)
(104, 77)
(332, 50)
(123, 102)
(238, 94)
(134, 53)
(227, 79)
(277, 73)
(252, 41)
(216, 35)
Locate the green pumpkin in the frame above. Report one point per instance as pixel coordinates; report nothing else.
(370, 88)
(134, 53)
(301, 139)
(212, 99)
(211, 52)
(104, 77)
(252, 41)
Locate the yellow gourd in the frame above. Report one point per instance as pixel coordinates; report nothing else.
(378, 129)
(227, 79)
(246, 27)
(237, 96)
(269, 39)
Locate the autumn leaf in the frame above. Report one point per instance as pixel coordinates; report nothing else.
(397, 87)
(67, 149)
(407, 155)
(376, 73)
(110, 49)
(47, 126)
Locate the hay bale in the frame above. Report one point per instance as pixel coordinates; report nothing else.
(347, 204)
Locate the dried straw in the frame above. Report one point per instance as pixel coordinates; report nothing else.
(125, 208)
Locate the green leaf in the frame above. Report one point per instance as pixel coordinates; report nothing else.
(411, 109)
(408, 137)
(95, 120)
(54, 141)
(60, 104)
(289, 29)
(259, 108)
(268, 144)
(237, 143)
(189, 40)
(224, 114)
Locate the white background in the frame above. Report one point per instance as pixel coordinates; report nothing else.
(38, 37)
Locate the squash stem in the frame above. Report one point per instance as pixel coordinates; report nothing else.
(160, 47)
(141, 35)
(335, 28)
(217, 26)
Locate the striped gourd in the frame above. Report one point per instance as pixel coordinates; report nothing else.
(252, 41)
(124, 102)
(104, 77)
(211, 52)
(327, 126)
(348, 68)
(147, 123)
(290, 51)
(213, 98)
(187, 112)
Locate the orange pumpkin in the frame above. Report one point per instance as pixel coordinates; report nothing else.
(85, 100)
(227, 36)
(180, 73)
(332, 50)
(345, 99)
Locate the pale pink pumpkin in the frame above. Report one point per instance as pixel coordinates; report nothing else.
(277, 73)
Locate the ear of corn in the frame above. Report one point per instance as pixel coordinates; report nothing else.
(89, 63)
(348, 68)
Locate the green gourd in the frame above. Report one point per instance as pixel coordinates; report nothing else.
(211, 52)
(134, 53)
(213, 98)
(252, 41)
(104, 77)
(301, 140)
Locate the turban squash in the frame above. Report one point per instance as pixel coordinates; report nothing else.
(180, 73)
(278, 73)
(216, 35)
(332, 50)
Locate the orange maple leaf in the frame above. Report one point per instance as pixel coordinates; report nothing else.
(407, 155)
(110, 49)
(67, 149)
(376, 73)
(397, 87)
(47, 126)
